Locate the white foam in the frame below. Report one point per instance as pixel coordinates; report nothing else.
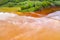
(54, 15)
(6, 15)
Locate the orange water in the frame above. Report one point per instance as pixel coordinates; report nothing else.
(28, 28)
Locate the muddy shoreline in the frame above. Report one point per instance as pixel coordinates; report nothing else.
(40, 13)
(48, 10)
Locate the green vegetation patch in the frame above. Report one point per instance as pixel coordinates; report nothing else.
(29, 6)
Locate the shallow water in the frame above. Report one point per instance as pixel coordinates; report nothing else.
(47, 11)
(15, 27)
